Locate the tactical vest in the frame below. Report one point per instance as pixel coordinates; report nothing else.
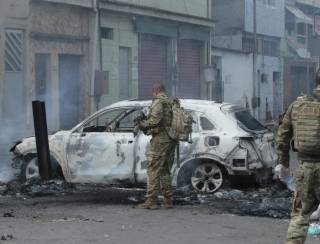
(305, 116)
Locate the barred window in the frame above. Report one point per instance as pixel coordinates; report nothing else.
(13, 50)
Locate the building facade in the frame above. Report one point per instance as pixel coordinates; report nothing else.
(233, 80)
(301, 48)
(46, 57)
(81, 55)
(143, 42)
(46, 52)
(255, 27)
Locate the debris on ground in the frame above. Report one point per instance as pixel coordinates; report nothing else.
(12, 188)
(60, 218)
(6, 237)
(36, 187)
(270, 201)
(3, 188)
(8, 214)
(263, 202)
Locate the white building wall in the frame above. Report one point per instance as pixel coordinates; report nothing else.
(124, 36)
(236, 76)
(188, 7)
(268, 65)
(270, 19)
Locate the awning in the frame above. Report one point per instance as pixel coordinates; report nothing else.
(312, 3)
(156, 27)
(172, 29)
(301, 16)
(193, 32)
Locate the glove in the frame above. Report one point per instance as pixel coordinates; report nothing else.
(141, 126)
(280, 172)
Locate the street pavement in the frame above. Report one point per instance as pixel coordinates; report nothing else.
(107, 217)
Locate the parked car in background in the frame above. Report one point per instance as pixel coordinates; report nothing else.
(226, 140)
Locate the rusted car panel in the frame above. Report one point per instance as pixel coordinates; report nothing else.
(104, 149)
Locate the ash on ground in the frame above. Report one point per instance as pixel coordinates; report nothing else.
(36, 187)
(271, 201)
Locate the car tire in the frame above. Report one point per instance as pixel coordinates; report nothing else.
(207, 177)
(29, 170)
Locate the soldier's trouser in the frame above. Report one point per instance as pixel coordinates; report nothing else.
(160, 160)
(306, 200)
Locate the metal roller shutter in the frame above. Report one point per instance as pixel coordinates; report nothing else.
(189, 57)
(152, 63)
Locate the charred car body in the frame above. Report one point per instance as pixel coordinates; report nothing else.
(104, 148)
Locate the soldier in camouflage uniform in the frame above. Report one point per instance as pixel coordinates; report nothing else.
(302, 124)
(161, 154)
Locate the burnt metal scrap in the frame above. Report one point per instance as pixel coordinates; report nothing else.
(36, 187)
(271, 201)
(262, 202)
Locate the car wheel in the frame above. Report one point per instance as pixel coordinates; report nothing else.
(30, 170)
(207, 178)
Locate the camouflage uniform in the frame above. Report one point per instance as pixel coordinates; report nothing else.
(298, 123)
(161, 154)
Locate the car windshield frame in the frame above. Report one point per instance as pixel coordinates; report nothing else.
(100, 112)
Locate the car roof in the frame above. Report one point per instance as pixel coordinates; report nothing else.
(203, 106)
(193, 104)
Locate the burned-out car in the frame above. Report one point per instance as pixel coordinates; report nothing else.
(104, 148)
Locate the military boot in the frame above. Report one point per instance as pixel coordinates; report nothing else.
(167, 202)
(149, 204)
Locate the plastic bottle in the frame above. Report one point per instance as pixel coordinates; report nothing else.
(314, 229)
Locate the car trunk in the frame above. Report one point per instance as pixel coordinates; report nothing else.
(260, 142)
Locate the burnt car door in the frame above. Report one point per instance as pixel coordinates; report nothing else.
(102, 149)
(143, 146)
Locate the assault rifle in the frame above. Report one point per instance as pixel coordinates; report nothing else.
(137, 120)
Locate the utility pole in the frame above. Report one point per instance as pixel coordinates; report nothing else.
(255, 99)
(209, 84)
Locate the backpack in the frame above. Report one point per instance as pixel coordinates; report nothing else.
(306, 125)
(180, 128)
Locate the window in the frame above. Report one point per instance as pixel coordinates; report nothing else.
(206, 124)
(104, 121)
(106, 33)
(248, 121)
(301, 33)
(247, 44)
(127, 122)
(13, 50)
(271, 48)
(301, 29)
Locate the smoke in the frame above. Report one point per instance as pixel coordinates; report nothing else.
(12, 129)
(62, 99)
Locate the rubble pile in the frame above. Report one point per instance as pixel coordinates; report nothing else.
(271, 201)
(264, 202)
(36, 187)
